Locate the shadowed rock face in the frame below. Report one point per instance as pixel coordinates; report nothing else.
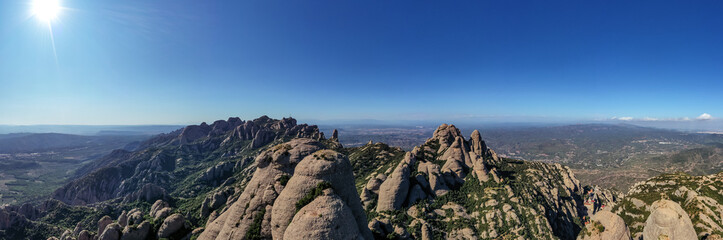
(123, 173)
(9, 219)
(668, 221)
(171, 225)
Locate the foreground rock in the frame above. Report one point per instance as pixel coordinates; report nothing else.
(253, 207)
(668, 221)
(324, 171)
(605, 225)
(171, 225)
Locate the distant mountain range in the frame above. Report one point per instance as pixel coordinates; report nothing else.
(89, 130)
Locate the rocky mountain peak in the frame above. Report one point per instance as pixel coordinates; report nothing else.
(335, 135)
(477, 145)
(445, 135)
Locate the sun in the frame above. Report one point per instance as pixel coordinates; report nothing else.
(46, 10)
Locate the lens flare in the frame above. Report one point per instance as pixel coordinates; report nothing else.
(46, 10)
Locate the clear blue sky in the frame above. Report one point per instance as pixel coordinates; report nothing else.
(184, 61)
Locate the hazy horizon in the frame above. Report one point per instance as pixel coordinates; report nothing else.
(714, 125)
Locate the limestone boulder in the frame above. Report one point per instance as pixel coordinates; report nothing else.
(85, 235)
(111, 232)
(668, 220)
(613, 227)
(157, 206)
(327, 217)
(136, 232)
(171, 225)
(103, 223)
(395, 188)
(324, 166)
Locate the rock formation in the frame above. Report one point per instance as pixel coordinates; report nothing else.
(141, 231)
(541, 194)
(605, 225)
(395, 188)
(171, 225)
(111, 232)
(668, 221)
(661, 198)
(322, 167)
(327, 217)
(261, 191)
(140, 174)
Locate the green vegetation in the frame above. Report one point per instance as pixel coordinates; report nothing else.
(370, 159)
(674, 187)
(254, 232)
(315, 192)
(284, 179)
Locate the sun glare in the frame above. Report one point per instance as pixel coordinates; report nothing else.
(46, 10)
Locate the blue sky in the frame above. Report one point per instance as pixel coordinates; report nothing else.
(183, 61)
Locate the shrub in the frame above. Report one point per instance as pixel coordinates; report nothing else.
(317, 191)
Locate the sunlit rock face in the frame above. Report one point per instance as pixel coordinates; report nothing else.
(668, 221)
(605, 225)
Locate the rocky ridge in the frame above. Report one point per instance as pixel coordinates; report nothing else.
(694, 204)
(452, 187)
(156, 166)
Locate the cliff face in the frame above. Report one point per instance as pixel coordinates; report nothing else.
(163, 161)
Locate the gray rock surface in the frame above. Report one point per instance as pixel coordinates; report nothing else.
(148, 193)
(163, 213)
(111, 232)
(614, 227)
(217, 174)
(322, 166)
(157, 206)
(103, 223)
(668, 220)
(327, 217)
(8, 219)
(85, 235)
(395, 188)
(261, 191)
(171, 225)
(139, 232)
